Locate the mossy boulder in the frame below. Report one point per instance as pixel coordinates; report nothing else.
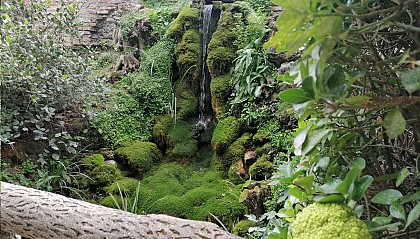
(225, 134)
(171, 205)
(187, 105)
(221, 50)
(220, 92)
(188, 54)
(233, 154)
(241, 228)
(105, 174)
(127, 186)
(185, 151)
(161, 128)
(140, 156)
(199, 196)
(262, 168)
(188, 18)
(94, 160)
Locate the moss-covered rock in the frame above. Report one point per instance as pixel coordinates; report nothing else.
(127, 186)
(171, 205)
(205, 178)
(162, 127)
(199, 196)
(105, 174)
(262, 168)
(185, 151)
(139, 155)
(233, 154)
(188, 18)
(241, 228)
(187, 105)
(220, 92)
(188, 54)
(94, 160)
(221, 50)
(225, 134)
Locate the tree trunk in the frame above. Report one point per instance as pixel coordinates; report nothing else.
(37, 214)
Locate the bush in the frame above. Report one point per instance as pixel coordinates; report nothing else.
(39, 76)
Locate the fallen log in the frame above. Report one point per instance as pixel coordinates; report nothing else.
(33, 213)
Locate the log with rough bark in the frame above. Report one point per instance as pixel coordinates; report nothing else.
(37, 214)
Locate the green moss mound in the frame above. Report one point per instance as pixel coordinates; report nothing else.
(171, 205)
(188, 54)
(139, 155)
(162, 127)
(221, 50)
(241, 228)
(105, 174)
(225, 134)
(127, 186)
(262, 168)
(187, 19)
(187, 105)
(94, 160)
(185, 151)
(220, 92)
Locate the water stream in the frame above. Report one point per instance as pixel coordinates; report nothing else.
(204, 100)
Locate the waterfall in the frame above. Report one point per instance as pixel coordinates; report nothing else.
(204, 102)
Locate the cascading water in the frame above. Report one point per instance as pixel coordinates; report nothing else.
(204, 84)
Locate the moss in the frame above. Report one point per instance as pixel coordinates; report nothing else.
(187, 19)
(187, 105)
(172, 170)
(260, 137)
(139, 155)
(188, 52)
(105, 174)
(225, 133)
(266, 148)
(262, 169)
(185, 151)
(233, 173)
(199, 196)
(241, 228)
(210, 179)
(225, 208)
(111, 201)
(94, 160)
(171, 205)
(221, 50)
(127, 186)
(220, 92)
(233, 154)
(163, 125)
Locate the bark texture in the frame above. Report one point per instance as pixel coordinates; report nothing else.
(37, 214)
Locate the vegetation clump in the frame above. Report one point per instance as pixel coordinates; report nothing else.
(220, 91)
(221, 50)
(141, 156)
(241, 228)
(187, 19)
(225, 133)
(188, 54)
(262, 169)
(329, 221)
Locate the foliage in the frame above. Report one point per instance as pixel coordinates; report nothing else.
(123, 120)
(261, 6)
(157, 60)
(40, 77)
(354, 104)
(250, 30)
(328, 220)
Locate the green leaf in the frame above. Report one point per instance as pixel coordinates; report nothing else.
(397, 210)
(294, 96)
(300, 139)
(356, 101)
(243, 195)
(330, 186)
(334, 198)
(402, 175)
(411, 197)
(361, 187)
(358, 162)
(351, 176)
(308, 85)
(8, 40)
(387, 196)
(296, 192)
(413, 215)
(305, 182)
(410, 79)
(313, 139)
(382, 220)
(394, 123)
